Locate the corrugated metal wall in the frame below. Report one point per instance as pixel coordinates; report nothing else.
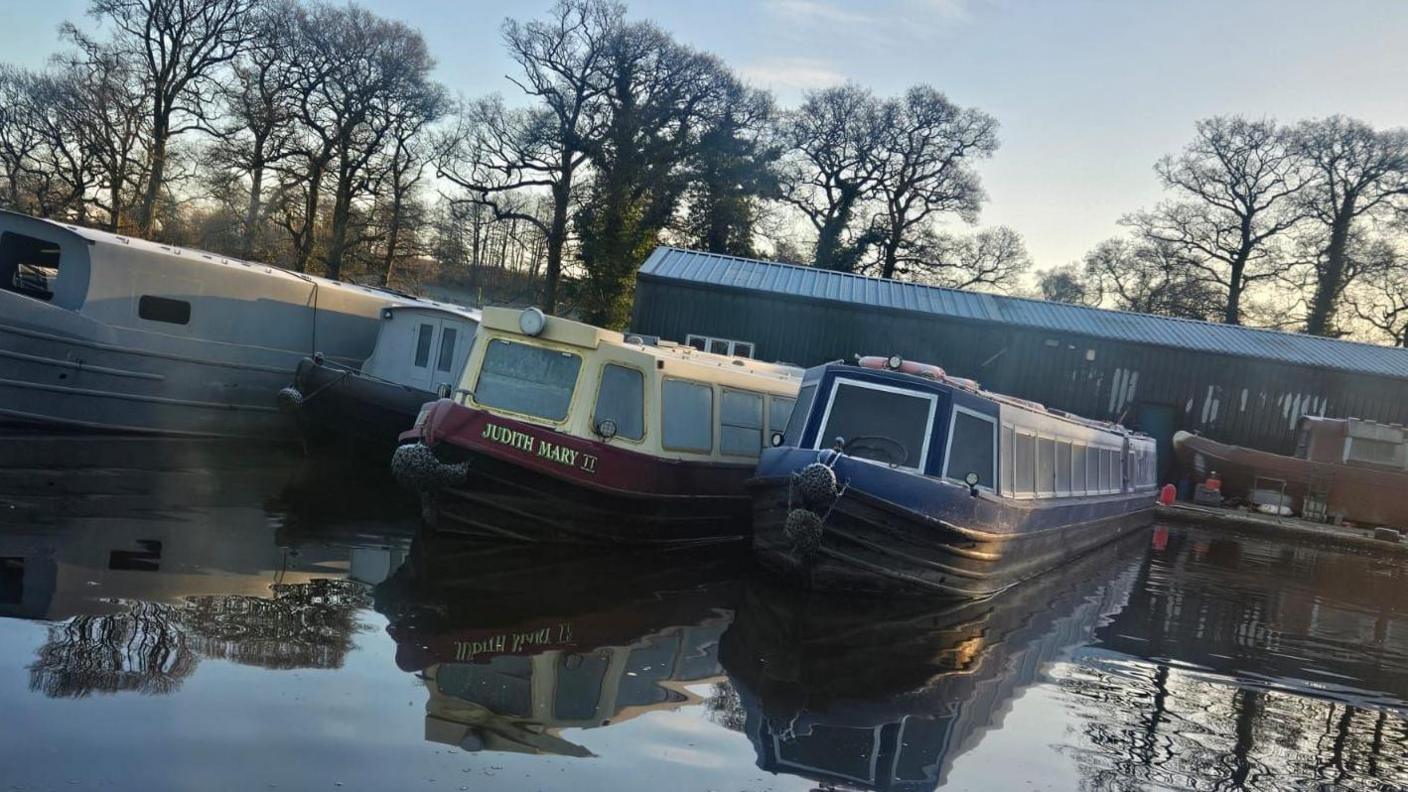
(1233, 399)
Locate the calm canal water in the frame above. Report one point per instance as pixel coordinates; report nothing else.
(185, 616)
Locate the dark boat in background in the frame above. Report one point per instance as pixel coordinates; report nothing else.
(1343, 469)
(561, 432)
(893, 476)
(420, 355)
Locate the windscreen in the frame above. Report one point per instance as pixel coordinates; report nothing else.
(887, 425)
(527, 379)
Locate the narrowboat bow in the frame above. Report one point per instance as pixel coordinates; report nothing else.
(564, 432)
(895, 477)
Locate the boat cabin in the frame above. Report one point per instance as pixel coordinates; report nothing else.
(945, 427)
(661, 399)
(423, 347)
(1351, 441)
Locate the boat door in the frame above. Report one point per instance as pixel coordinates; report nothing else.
(436, 342)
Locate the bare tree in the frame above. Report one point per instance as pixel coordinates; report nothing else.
(835, 163)
(181, 44)
(401, 175)
(1150, 277)
(1067, 284)
(1234, 189)
(1380, 299)
(732, 168)
(994, 258)
(259, 128)
(928, 145)
(358, 74)
(1355, 172)
(496, 152)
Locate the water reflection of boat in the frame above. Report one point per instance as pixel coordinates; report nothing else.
(1240, 663)
(515, 644)
(148, 555)
(840, 693)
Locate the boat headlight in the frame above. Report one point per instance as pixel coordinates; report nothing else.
(532, 321)
(894, 362)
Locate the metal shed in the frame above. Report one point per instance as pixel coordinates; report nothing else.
(1237, 384)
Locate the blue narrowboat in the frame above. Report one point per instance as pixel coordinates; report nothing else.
(893, 476)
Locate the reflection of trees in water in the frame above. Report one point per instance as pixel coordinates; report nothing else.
(725, 707)
(1144, 725)
(152, 647)
(141, 649)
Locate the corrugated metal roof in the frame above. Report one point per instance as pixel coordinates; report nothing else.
(712, 269)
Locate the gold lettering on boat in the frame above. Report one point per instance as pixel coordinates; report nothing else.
(543, 449)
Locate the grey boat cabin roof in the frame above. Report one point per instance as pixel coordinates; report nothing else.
(730, 272)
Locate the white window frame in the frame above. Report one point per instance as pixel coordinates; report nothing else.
(932, 398)
(948, 443)
(1022, 431)
(732, 344)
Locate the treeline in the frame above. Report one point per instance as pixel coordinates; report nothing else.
(1301, 227)
(312, 136)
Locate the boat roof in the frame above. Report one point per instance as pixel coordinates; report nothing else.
(195, 257)
(669, 264)
(422, 305)
(581, 334)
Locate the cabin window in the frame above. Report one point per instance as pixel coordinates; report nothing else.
(1004, 457)
(527, 379)
(1024, 462)
(28, 266)
(1045, 466)
(1105, 470)
(164, 309)
(972, 447)
(742, 349)
(447, 349)
(1369, 451)
(741, 423)
(797, 421)
(621, 399)
(1092, 469)
(879, 423)
(1063, 467)
(427, 333)
(687, 416)
(718, 346)
(779, 412)
(1078, 483)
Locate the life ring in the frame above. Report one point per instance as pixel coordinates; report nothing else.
(906, 366)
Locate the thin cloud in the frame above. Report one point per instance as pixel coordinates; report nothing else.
(791, 74)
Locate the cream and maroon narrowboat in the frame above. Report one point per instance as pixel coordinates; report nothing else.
(565, 432)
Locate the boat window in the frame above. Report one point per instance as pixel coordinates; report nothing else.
(1045, 466)
(1104, 470)
(28, 266)
(779, 411)
(797, 421)
(427, 332)
(718, 346)
(879, 423)
(741, 423)
(527, 379)
(621, 399)
(971, 447)
(1078, 484)
(164, 309)
(1367, 450)
(687, 416)
(1063, 467)
(1024, 462)
(1004, 456)
(1092, 469)
(447, 349)
(742, 349)
(698, 342)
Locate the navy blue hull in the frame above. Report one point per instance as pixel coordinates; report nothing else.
(896, 531)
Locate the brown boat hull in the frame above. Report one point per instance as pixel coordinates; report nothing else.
(1356, 494)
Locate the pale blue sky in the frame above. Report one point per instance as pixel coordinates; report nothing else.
(1089, 93)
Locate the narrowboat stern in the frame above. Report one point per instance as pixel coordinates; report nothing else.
(909, 480)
